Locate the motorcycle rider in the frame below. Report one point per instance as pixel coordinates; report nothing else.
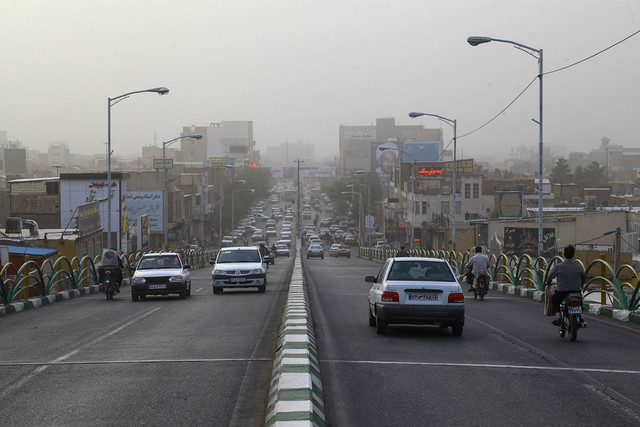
(570, 278)
(274, 250)
(478, 264)
(112, 262)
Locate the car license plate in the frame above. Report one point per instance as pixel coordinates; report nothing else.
(575, 310)
(423, 297)
(238, 280)
(157, 286)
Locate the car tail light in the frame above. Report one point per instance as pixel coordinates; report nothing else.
(390, 297)
(456, 298)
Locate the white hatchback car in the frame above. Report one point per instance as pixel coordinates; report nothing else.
(417, 291)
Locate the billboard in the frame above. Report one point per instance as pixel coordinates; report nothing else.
(89, 217)
(520, 240)
(510, 204)
(148, 203)
(423, 151)
(75, 192)
(384, 156)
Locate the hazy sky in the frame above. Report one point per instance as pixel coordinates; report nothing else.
(298, 69)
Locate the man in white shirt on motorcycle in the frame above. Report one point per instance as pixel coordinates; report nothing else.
(478, 264)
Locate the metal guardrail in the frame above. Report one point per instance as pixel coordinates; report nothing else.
(532, 272)
(40, 280)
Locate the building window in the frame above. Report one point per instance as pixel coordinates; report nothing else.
(476, 191)
(424, 208)
(458, 207)
(467, 191)
(53, 188)
(444, 208)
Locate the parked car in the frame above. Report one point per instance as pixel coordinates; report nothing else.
(161, 274)
(419, 291)
(239, 267)
(343, 250)
(315, 250)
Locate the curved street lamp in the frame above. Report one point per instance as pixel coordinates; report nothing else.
(536, 53)
(110, 102)
(452, 123)
(164, 180)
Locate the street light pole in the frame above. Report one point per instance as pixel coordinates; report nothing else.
(164, 180)
(476, 40)
(111, 102)
(368, 194)
(452, 123)
(359, 212)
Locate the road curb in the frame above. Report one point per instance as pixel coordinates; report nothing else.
(31, 303)
(295, 395)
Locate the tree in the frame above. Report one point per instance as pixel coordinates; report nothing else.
(561, 172)
(591, 176)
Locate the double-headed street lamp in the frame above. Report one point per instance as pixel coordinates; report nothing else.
(452, 123)
(413, 190)
(359, 213)
(476, 40)
(110, 102)
(164, 180)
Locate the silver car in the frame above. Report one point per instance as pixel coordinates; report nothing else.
(418, 291)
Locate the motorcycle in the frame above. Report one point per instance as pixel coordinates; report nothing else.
(109, 286)
(482, 286)
(571, 316)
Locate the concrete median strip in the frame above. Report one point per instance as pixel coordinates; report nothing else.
(295, 396)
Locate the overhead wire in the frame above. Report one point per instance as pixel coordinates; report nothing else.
(545, 73)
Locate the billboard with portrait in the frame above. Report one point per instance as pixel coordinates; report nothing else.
(385, 156)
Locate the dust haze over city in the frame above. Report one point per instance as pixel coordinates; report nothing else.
(298, 70)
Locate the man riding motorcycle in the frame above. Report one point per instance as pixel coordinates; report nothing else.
(110, 261)
(478, 264)
(569, 277)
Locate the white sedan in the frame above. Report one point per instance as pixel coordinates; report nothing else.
(417, 291)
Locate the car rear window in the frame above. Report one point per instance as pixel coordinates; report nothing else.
(154, 262)
(239, 256)
(420, 271)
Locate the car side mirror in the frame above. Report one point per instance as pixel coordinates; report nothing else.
(370, 279)
(212, 261)
(187, 266)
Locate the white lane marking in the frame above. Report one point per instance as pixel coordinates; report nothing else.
(26, 378)
(198, 290)
(485, 365)
(132, 361)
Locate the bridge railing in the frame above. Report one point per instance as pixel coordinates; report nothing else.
(32, 279)
(620, 287)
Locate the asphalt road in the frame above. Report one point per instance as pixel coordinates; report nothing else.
(510, 367)
(205, 360)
